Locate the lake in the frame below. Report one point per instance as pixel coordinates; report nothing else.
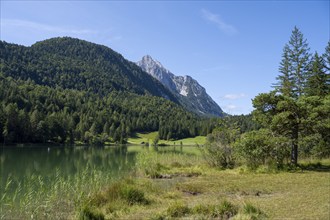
(19, 163)
(48, 181)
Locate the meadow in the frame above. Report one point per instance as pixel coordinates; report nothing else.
(173, 183)
(169, 184)
(143, 138)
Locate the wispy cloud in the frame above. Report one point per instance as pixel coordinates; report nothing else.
(221, 24)
(234, 96)
(232, 109)
(43, 27)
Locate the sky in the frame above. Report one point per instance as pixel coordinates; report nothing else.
(232, 48)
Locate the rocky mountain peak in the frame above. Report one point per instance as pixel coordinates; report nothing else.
(187, 89)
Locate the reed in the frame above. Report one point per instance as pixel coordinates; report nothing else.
(62, 197)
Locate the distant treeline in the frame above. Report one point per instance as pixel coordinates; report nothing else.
(37, 114)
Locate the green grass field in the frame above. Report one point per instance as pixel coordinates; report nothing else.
(149, 137)
(196, 191)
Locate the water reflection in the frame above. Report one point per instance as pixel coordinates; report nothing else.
(19, 163)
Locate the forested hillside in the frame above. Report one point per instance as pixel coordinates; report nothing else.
(37, 114)
(64, 90)
(76, 64)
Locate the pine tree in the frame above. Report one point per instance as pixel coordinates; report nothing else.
(294, 66)
(280, 111)
(317, 83)
(285, 81)
(299, 60)
(326, 57)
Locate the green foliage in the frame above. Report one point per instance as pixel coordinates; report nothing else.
(294, 66)
(65, 90)
(71, 63)
(218, 150)
(39, 114)
(262, 147)
(318, 81)
(298, 109)
(155, 140)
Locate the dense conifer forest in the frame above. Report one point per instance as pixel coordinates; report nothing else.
(64, 90)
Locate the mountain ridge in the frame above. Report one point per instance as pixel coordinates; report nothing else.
(191, 94)
(72, 63)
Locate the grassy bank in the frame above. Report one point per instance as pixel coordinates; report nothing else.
(142, 138)
(175, 185)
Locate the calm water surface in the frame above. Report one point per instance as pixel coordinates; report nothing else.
(19, 163)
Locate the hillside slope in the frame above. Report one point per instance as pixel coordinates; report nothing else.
(71, 63)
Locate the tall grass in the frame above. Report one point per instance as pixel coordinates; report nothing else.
(60, 198)
(156, 163)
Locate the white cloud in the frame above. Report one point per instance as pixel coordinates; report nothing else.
(221, 24)
(234, 109)
(234, 96)
(230, 107)
(43, 27)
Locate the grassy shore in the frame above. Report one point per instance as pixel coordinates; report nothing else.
(142, 138)
(170, 184)
(175, 183)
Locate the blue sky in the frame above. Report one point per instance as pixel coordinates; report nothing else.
(232, 48)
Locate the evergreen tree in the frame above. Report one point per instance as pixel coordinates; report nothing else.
(326, 57)
(294, 66)
(280, 112)
(299, 60)
(285, 82)
(317, 83)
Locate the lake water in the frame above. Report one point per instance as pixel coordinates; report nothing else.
(42, 177)
(20, 163)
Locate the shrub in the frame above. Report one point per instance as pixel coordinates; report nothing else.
(218, 151)
(218, 155)
(262, 147)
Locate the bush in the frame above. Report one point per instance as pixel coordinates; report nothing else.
(262, 147)
(218, 155)
(218, 151)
